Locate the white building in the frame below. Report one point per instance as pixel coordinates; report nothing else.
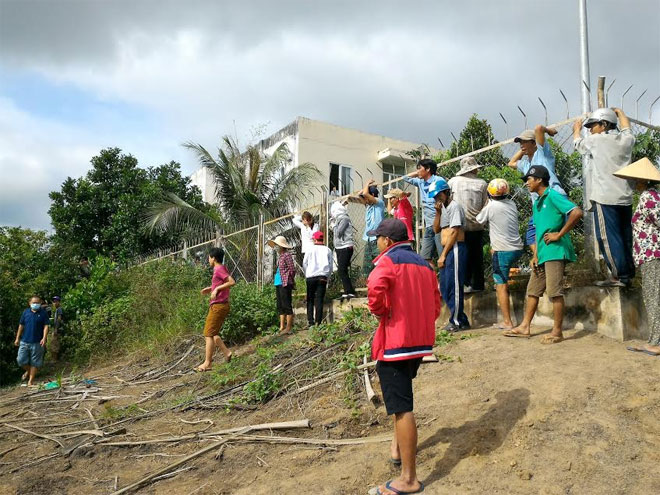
(346, 158)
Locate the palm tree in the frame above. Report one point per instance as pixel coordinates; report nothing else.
(247, 184)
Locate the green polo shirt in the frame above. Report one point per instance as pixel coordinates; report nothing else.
(549, 212)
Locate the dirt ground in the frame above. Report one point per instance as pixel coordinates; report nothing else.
(495, 415)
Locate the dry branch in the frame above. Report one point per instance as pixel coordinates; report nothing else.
(332, 377)
(47, 437)
(371, 395)
(167, 469)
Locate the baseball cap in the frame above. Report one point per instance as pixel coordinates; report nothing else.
(318, 235)
(437, 187)
(538, 171)
(396, 193)
(526, 135)
(393, 228)
(56, 298)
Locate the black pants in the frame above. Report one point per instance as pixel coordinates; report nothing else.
(284, 300)
(343, 265)
(315, 293)
(474, 275)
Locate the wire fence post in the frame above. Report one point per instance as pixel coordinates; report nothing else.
(185, 249)
(260, 251)
(324, 217)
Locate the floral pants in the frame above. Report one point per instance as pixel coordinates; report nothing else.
(651, 293)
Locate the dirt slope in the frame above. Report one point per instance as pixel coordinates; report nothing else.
(500, 415)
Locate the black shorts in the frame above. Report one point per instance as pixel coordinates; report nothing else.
(284, 299)
(396, 383)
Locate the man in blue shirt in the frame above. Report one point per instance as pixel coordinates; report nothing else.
(31, 339)
(426, 175)
(535, 150)
(372, 217)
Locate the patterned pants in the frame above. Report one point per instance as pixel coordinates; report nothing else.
(651, 293)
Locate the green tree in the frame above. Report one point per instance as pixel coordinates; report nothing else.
(247, 184)
(102, 211)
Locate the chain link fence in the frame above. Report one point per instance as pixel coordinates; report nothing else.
(249, 258)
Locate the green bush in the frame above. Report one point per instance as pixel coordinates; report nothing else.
(253, 312)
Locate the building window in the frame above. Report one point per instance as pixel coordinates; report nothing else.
(341, 179)
(391, 172)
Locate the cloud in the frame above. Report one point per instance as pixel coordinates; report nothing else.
(416, 70)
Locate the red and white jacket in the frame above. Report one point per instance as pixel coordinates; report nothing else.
(403, 293)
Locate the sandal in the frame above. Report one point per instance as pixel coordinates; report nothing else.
(199, 369)
(551, 339)
(511, 333)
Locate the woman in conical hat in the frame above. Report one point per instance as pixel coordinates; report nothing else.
(646, 243)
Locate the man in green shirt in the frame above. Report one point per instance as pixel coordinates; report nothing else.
(554, 216)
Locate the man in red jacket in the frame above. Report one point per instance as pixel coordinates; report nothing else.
(403, 294)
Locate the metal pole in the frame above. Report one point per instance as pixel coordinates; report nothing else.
(524, 115)
(589, 232)
(651, 110)
(624, 95)
(637, 104)
(584, 56)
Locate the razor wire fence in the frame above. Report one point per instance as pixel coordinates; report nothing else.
(250, 258)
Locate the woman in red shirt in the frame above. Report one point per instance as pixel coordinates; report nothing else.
(399, 207)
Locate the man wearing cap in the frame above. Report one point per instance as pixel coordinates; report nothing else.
(399, 207)
(425, 176)
(318, 267)
(403, 294)
(609, 198)
(535, 150)
(469, 191)
(554, 216)
(450, 223)
(373, 215)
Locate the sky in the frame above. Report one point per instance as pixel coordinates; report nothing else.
(77, 76)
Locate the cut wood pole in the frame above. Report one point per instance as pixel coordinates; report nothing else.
(165, 470)
(371, 395)
(313, 441)
(285, 425)
(330, 378)
(601, 91)
(47, 437)
(91, 416)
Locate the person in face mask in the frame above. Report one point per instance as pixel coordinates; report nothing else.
(31, 339)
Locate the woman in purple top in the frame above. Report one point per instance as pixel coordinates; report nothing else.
(218, 308)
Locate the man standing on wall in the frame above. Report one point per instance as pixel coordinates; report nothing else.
(426, 175)
(610, 198)
(449, 222)
(375, 211)
(535, 150)
(470, 192)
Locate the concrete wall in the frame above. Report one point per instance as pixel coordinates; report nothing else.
(203, 179)
(321, 143)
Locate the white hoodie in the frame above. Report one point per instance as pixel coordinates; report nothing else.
(318, 261)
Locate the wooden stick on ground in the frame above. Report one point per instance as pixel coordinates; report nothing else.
(330, 378)
(91, 416)
(371, 395)
(167, 469)
(47, 437)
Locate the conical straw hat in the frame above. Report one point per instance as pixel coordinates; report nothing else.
(641, 169)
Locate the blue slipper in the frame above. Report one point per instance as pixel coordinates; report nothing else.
(389, 486)
(641, 349)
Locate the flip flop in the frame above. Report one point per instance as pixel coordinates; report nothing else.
(500, 326)
(199, 369)
(551, 339)
(509, 333)
(641, 349)
(389, 486)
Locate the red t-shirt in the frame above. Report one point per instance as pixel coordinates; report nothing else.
(220, 276)
(404, 212)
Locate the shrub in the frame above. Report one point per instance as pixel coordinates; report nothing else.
(253, 312)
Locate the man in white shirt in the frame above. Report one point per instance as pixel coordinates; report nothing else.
(609, 198)
(469, 191)
(318, 267)
(501, 213)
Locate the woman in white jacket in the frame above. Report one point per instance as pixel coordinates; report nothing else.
(305, 223)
